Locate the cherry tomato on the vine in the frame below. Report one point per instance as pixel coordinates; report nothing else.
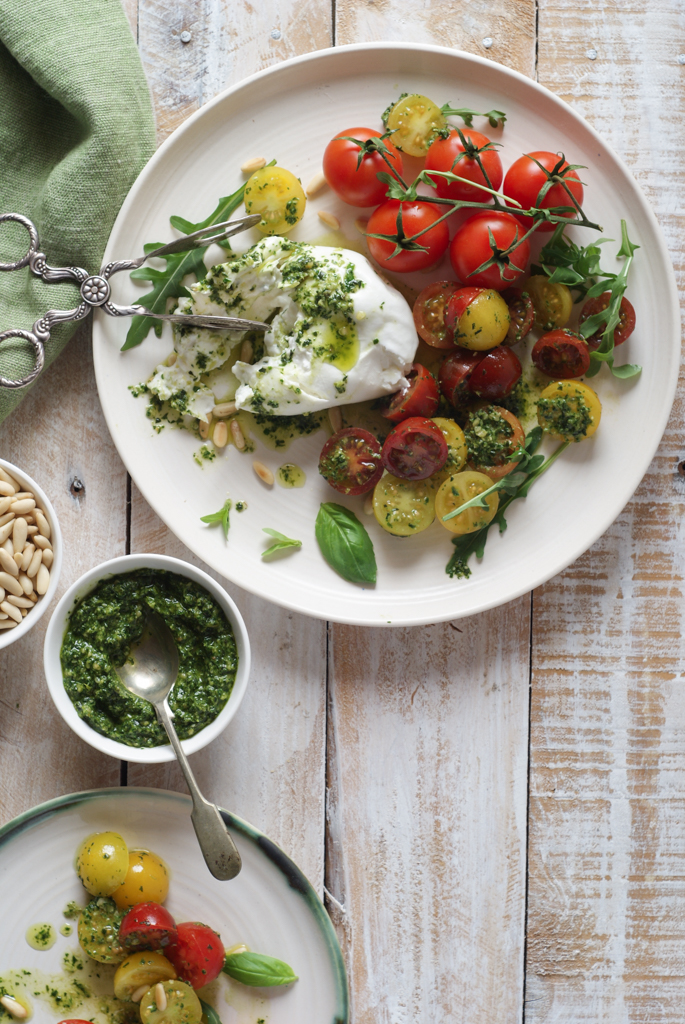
(197, 954)
(626, 319)
(147, 926)
(421, 398)
(350, 461)
(454, 372)
(354, 181)
(496, 374)
(525, 179)
(471, 248)
(561, 354)
(451, 154)
(414, 449)
(429, 314)
(521, 312)
(403, 220)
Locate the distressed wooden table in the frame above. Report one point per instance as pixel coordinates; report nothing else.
(493, 808)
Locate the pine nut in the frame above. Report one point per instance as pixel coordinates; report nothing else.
(220, 436)
(9, 547)
(11, 610)
(33, 530)
(368, 504)
(316, 184)
(238, 436)
(225, 409)
(4, 615)
(42, 523)
(139, 993)
(18, 557)
(6, 528)
(26, 584)
(361, 224)
(33, 598)
(171, 358)
(8, 624)
(6, 489)
(10, 584)
(20, 602)
(8, 563)
(160, 997)
(23, 613)
(6, 517)
(9, 479)
(2, 594)
(48, 557)
(35, 563)
(264, 474)
(42, 580)
(329, 219)
(255, 164)
(246, 351)
(19, 534)
(335, 419)
(4, 505)
(203, 427)
(25, 558)
(23, 494)
(24, 505)
(41, 542)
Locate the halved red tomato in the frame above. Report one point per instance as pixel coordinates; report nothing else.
(421, 398)
(429, 314)
(561, 354)
(147, 926)
(350, 461)
(496, 374)
(454, 372)
(198, 953)
(626, 319)
(414, 449)
(522, 313)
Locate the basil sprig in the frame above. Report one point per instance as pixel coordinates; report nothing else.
(220, 517)
(258, 970)
(345, 544)
(281, 543)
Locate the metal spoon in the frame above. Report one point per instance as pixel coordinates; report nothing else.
(149, 672)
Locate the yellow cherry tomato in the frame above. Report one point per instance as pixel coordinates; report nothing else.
(552, 302)
(403, 507)
(138, 969)
(569, 410)
(182, 1005)
(457, 490)
(278, 197)
(457, 452)
(484, 323)
(147, 879)
(102, 862)
(414, 122)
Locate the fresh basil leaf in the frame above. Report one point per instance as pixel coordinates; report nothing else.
(258, 970)
(345, 544)
(282, 543)
(210, 1013)
(220, 517)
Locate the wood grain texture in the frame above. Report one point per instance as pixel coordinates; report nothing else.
(606, 938)
(58, 435)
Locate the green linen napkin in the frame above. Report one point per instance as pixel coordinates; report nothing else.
(76, 127)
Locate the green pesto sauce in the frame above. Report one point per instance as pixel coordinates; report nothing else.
(565, 416)
(290, 475)
(276, 432)
(488, 437)
(41, 936)
(105, 624)
(66, 929)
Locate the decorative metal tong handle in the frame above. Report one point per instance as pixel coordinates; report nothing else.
(95, 289)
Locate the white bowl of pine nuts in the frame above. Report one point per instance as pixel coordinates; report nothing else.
(30, 553)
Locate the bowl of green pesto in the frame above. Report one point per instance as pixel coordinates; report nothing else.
(91, 633)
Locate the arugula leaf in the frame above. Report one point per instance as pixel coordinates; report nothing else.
(220, 517)
(167, 283)
(210, 1013)
(282, 543)
(495, 117)
(257, 969)
(345, 544)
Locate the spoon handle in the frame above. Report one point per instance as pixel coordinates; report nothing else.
(218, 849)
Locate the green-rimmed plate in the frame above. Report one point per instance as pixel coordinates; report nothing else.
(270, 906)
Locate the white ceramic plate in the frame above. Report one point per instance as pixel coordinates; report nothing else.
(270, 906)
(290, 112)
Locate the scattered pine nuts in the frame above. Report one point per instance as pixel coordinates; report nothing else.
(335, 419)
(255, 164)
(361, 224)
(264, 473)
(316, 184)
(203, 427)
(26, 557)
(139, 993)
(171, 358)
(238, 436)
(329, 219)
(246, 351)
(14, 1007)
(225, 409)
(160, 997)
(220, 436)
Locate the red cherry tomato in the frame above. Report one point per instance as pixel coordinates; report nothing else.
(626, 319)
(414, 449)
(197, 954)
(429, 314)
(561, 354)
(147, 926)
(350, 461)
(525, 178)
(522, 313)
(357, 183)
(454, 372)
(415, 217)
(451, 154)
(496, 374)
(458, 303)
(471, 247)
(421, 398)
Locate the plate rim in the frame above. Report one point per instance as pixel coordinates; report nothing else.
(292, 874)
(670, 296)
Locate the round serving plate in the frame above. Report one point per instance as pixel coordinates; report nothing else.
(270, 906)
(289, 112)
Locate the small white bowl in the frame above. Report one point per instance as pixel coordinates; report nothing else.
(10, 636)
(58, 626)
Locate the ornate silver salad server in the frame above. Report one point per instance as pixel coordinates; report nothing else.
(95, 289)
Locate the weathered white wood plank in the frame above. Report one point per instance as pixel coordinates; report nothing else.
(606, 941)
(58, 435)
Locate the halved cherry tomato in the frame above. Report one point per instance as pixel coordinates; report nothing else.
(147, 926)
(451, 154)
(521, 312)
(414, 122)
(492, 435)
(351, 170)
(496, 374)
(350, 461)
(471, 247)
(552, 302)
(626, 319)
(421, 398)
(429, 314)
(147, 879)
(569, 410)
(456, 491)
(477, 318)
(197, 954)
(278, 197)
(525, 178)
(412, 218)
(454, 372)
(561, 354)
(414, 449)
